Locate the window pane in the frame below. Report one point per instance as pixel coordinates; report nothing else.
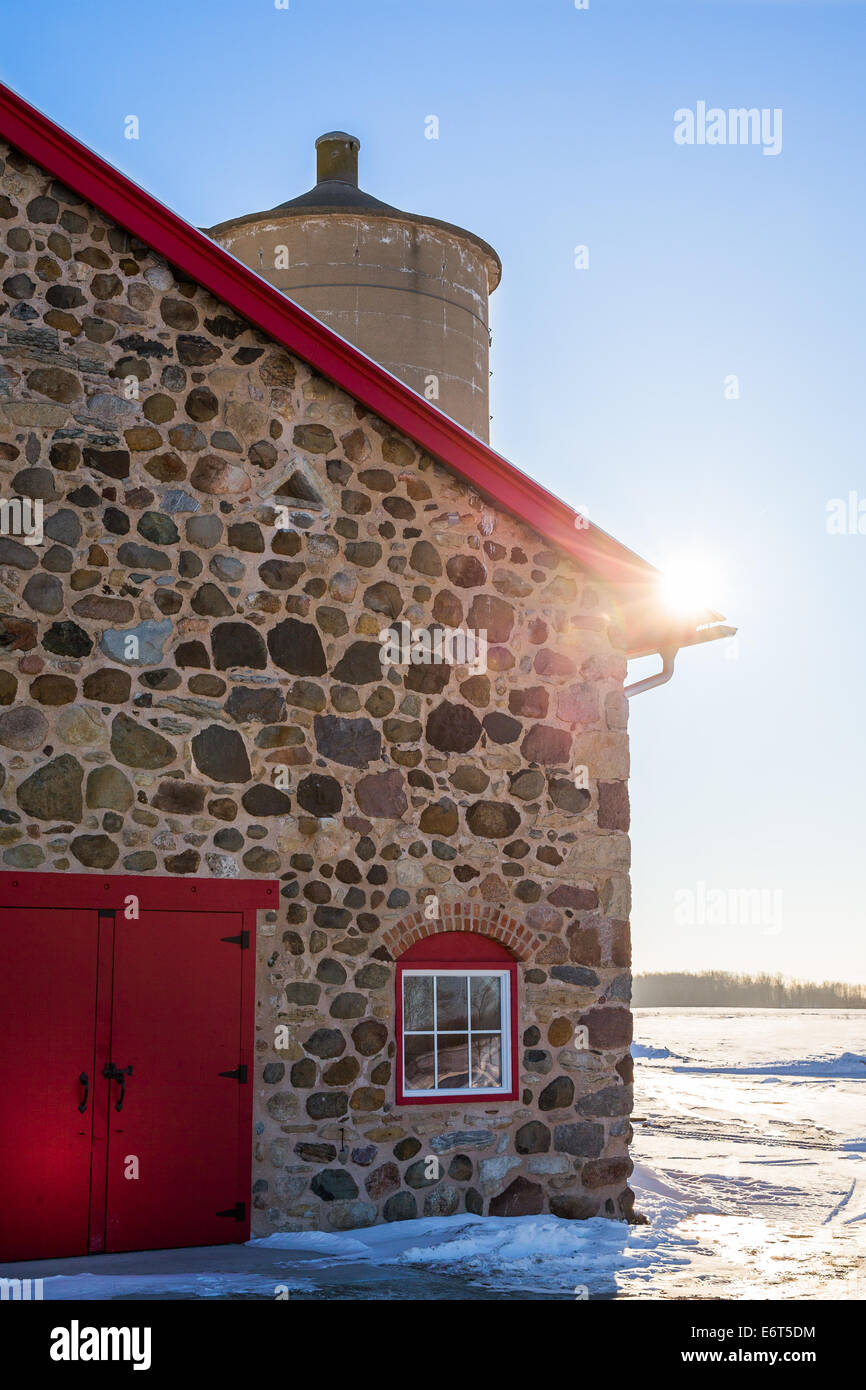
(453, 1061)
(486, 994)
(486, 1059)
(417, 1002)
(451, 1002)
(418, 1054)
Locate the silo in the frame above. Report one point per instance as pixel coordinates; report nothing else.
(409, 291)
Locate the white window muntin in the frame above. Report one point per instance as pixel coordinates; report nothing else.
(504, 1033)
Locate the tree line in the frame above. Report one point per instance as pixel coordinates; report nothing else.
(721, 987)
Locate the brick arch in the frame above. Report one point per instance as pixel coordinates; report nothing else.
(483, 918)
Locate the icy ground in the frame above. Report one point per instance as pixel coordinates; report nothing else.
(751, 1168)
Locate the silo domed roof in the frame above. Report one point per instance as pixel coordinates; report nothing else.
(336, 191)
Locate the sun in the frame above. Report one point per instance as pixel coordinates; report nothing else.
(692, 583)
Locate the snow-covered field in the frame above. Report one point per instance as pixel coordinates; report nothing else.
(751, 1169)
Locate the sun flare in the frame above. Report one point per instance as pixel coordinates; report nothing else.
(692, 583)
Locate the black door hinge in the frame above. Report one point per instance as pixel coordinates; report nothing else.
(237, 1212)
(242, 940)
(239, 1074)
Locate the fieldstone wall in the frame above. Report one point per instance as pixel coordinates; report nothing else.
(252, 528)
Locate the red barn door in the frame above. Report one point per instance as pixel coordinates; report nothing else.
(173, 1149)
(125, 1062)
(48, 962)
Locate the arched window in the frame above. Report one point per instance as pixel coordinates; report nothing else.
(456, 1020)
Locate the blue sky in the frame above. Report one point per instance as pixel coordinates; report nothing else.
(556, 130)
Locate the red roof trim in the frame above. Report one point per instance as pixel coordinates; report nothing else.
(47, 145)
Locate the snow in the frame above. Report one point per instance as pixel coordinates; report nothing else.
(94, 1288)
(749, 1154)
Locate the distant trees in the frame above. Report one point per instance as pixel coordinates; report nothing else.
(721, 988)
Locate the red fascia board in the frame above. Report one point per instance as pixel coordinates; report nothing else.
(46, 144)
(155, 892)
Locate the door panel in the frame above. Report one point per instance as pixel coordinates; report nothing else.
(176, 1019)
(48, 987)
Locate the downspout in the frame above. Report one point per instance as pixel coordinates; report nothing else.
(668, 656)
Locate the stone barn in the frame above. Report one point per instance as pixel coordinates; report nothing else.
(314, 856)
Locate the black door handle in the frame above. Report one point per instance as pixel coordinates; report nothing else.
(83, 1081)
(113, 1073)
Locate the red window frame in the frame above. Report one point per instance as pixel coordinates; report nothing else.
(457, 951)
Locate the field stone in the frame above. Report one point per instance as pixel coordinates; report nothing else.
(23, 856)
(492, 820)
(382, 795)
(360, 664)
(501, 728)
(583, 1140)
(545, 744)
(493, 616)
(567, 796)
(444, 1200)
(452, 728)
(44, 593)
(264, 800)
(401, 1207)
(67, 639)
(296, 647)
(470, 779)
(160, 529)
(528, 785)
(425, 559)
(238, 644)
(520, 1198)
(369, 1037)
(104, 609)
(107, 686)
(352, 742)
(327, 1105)
(214, 476)
(210, 602)
(440, 818)
(221, 754)
(53, 792)
(320, 795)
(558, 1094)
(532, 1138)
(262, 861)
(382, 1181)
(326, 1042)
(23, 728)
(416, 1175)
(227, 568)
(94, 851)
(9, 687)
(13, 553)
(262, 705)
(466, 571)
(135, 745)
(108, 787)
(205, 530)
(151, 637)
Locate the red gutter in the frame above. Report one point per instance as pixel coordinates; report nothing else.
(47, 145)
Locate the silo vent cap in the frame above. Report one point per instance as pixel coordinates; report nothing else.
(337, 157)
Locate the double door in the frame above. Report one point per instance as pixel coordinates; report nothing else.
(124, 1080)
